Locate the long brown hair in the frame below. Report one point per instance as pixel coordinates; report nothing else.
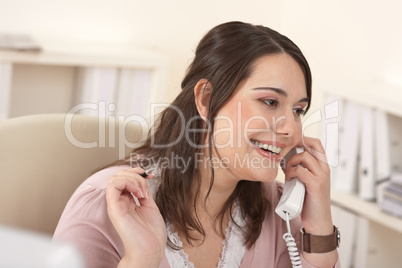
(224, 57)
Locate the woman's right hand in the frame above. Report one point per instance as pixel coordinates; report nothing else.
(141, 228)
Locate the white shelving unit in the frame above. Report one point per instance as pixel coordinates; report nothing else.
(368, 210)
(378, 235)
(53, 74)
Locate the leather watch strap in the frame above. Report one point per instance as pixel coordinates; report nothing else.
(319, 244)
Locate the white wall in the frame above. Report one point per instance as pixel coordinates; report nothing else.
(172, 28)
(342, 39)
(348, 40)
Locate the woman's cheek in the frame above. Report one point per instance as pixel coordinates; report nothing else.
(299, 131)
(223, 133)
(254, 124)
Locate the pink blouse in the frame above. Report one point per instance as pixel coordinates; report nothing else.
(85, 223)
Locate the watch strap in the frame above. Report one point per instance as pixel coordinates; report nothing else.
(319, 243)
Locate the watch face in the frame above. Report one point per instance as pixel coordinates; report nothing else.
(338, 237)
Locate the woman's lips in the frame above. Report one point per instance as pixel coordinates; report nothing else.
(265, 153)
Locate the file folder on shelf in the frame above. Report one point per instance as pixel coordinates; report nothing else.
(346, 176)
(382, 152)
(367, 168)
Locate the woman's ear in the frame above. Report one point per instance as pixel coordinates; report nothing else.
(202, 94)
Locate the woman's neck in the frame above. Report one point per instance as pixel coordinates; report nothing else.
(223, 186)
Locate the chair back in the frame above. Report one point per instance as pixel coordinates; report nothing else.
(44, 158)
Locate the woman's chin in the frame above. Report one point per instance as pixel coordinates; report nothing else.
(264, 175)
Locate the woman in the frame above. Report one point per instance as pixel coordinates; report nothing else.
(216, 151)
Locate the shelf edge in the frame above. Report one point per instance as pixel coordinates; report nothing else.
(368, 210)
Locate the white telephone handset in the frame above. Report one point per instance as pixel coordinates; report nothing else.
(289, 207)
(292, 198)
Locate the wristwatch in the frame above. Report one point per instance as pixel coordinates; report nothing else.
(319, 243)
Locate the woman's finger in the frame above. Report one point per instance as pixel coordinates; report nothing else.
(299, 172)
(120, 183)
(306, 160)
(315, 148)
(135, 175)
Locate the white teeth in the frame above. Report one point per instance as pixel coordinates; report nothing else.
(265, 146)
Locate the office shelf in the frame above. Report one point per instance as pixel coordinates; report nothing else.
(369, 210)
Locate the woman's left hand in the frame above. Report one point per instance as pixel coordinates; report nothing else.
(312, 169)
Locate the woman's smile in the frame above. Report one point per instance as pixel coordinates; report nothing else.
(269, 149)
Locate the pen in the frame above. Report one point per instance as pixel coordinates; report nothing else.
(147, 172)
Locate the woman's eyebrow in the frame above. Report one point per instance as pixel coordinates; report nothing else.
(279, 91)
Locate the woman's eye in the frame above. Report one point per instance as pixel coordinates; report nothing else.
(299, 111)
(271, 102)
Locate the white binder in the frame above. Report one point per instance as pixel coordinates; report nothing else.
(96, 88)
(382, 152)
(367, 168)
(133, 93)
(346, 175)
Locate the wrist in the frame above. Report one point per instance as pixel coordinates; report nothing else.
(319, 228)
(318, 222)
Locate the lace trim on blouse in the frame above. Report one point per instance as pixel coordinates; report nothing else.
(233, 247)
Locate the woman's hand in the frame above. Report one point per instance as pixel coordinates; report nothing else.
(311, 167)
(141, 227)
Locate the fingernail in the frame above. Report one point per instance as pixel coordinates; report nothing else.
(146, 193)
(145, 190)
(142, 194)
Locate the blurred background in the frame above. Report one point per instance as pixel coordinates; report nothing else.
(123, 50)
(358, 40)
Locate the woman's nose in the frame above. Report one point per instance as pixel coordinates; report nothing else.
(285, 124)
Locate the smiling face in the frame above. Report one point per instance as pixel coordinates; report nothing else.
(262, 120)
